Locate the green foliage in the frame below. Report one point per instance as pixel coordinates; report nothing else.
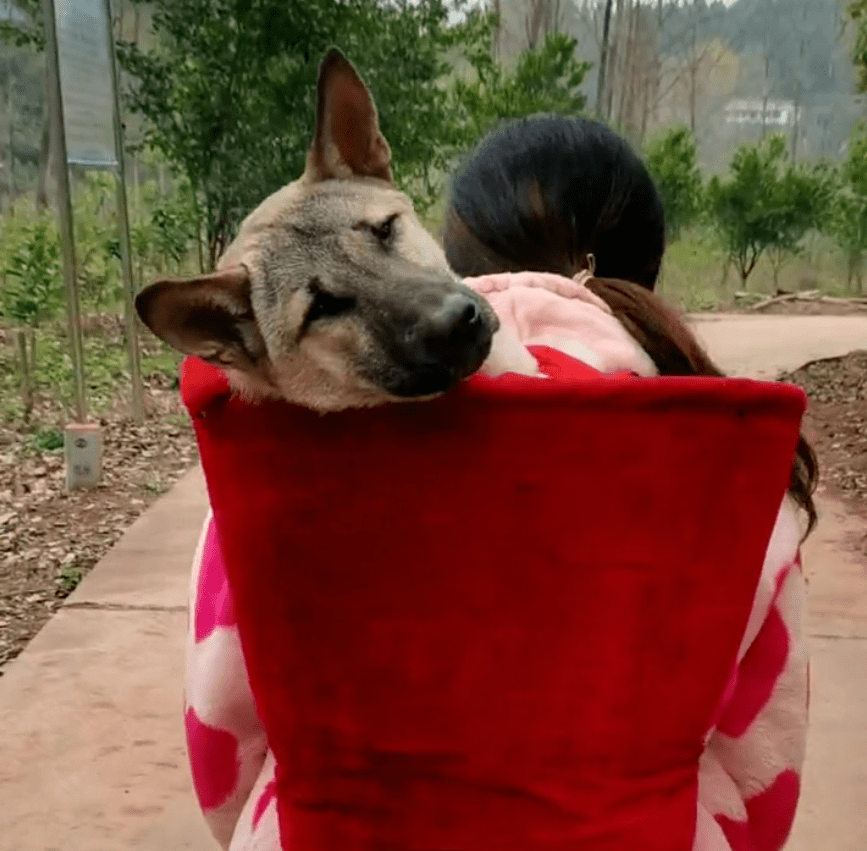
(547, 79)
(858, 13)
(802, 200)
(765, 205)
(173, 227)
(69, 579)
(97, 243)
(848, 223)
(33, 291)
(672, 162)
(48, 440)
(27, 31)
(162, 238)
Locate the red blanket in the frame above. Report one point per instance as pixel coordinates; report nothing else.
(500, 620)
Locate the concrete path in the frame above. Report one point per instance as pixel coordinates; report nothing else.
(765, 346)
(91, 740)
(833, 809)
(92, 756)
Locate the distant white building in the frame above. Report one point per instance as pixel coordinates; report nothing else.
(758, 112)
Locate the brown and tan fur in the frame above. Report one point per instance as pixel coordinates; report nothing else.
(332, 295)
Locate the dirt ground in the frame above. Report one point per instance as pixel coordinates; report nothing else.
(50, 538)
(836, 422)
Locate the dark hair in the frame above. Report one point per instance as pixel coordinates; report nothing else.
(675, 351)
(570, 184)
(473, 247)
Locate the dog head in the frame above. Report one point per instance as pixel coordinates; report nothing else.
(332, 295)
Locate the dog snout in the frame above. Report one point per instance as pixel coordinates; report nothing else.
(447, 342)
(459, 317)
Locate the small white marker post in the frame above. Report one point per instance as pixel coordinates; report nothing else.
(83, 448)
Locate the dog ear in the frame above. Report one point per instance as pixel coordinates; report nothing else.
(210, 316)
(347, 142)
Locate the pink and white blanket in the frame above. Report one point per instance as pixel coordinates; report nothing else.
(749, 775)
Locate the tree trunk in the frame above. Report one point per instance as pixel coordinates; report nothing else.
(26, 380)
(796, 116)
(614, 60)
(654, 86)
(136, 190)
(632, 71)
(533, 22)
(11, 173)
(44, 153)
(693, 83)
(603, 58)
(118, 19)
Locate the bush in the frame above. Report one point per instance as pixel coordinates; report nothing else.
(848, 220)
(33, 292)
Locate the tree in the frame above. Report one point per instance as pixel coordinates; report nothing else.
(672, 162)
(764, 206)
(24, 28)
(858, 13)
(547, 79)
(604, 50)
(848, 223)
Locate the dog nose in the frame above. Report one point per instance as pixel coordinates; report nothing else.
(459, 316)
(458, 319)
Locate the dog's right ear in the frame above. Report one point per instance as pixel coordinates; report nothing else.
(348, 142)
(210, 317)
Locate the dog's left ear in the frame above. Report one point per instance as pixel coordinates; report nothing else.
(209, 316)
(348, 142)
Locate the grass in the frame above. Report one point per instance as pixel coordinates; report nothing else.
(155, 488)
(694, 278)
(69, 579)
(48, 440)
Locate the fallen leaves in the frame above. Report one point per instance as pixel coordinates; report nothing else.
(837, 422)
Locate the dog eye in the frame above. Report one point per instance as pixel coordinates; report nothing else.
(383, 230)
(326, 305)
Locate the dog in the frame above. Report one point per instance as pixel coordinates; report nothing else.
(332, 295)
